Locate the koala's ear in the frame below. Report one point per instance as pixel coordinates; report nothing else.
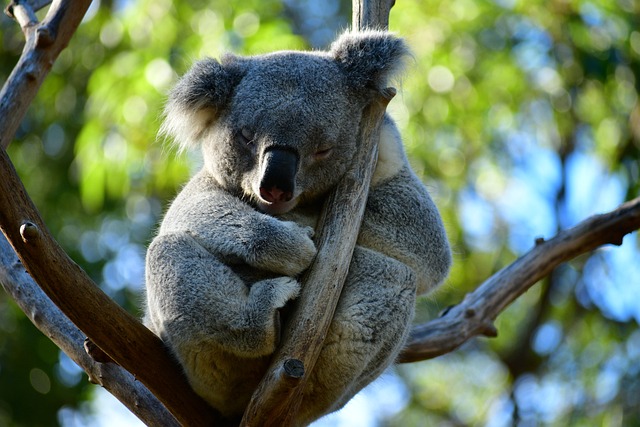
(196, 100)
(370, 58)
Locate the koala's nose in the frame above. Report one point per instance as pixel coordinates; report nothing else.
(274, 194)
(279, 168)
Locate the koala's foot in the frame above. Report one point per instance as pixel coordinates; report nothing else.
(274, 292)
(369, 327)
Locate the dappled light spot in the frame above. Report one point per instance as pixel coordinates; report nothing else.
(246, 24)
(547, 338)
(159, 74)
(111, 33)
(441, 79)
(40, 381)
(134, 109)
(451, 162)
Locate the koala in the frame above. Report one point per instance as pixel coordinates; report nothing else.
(277, 133)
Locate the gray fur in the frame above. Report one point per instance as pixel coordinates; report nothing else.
(226, 259)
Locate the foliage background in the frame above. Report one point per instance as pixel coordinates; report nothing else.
(521, 116)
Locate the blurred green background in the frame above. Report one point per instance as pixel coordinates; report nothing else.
(522, 117)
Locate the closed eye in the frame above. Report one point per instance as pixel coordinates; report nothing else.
(246, 136)
(323, 153)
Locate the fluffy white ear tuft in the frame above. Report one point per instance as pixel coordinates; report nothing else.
(197, 99)
(186, 126)
(371, 58)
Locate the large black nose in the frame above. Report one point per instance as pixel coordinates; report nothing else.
(279, 168)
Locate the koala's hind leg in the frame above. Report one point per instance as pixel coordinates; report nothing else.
(220, 329)
(369, 328)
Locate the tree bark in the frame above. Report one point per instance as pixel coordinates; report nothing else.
(44, 42)
(122, 337)
(372, 14)
(54, 324)
(276, 400)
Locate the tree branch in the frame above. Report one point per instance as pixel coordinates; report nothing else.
(475, 315)
(277, 399)
(44, 42)
(23, 13)
(109, 326)
(371, 13)
(54, 324)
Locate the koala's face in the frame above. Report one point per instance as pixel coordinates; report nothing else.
(288, 133)
(279, 130)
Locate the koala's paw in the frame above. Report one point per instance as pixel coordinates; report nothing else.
(285, 248)
(277, 291)
(285, 289)
(302, 250)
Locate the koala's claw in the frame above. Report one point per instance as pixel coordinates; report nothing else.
(285, 289)
(310, 232)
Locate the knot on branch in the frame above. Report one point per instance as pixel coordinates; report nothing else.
(29, 232)
(388, 93)
(96, 352)
(44, 36)
(485, 326)
(488, 329)
(293, 368)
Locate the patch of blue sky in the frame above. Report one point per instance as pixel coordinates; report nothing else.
(541, 170)
(532, 51)
(528, 201)
(382, 399)
(500, 412)
(477, 217)
(126, 269)
(590, 14)
(612, 280)
(543, 399)
(104, 410)
(531, 55)
(528, 212)
(525, 29)
(547, 338)
(590, 188)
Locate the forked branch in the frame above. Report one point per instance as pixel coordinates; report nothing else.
(54, 324)
(475, 315)
(117, 333)
(43, 43)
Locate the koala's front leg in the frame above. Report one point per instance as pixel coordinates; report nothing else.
(194, 298)
(235, 232)
(282, 247)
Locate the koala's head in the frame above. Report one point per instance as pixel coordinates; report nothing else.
(280, 129)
